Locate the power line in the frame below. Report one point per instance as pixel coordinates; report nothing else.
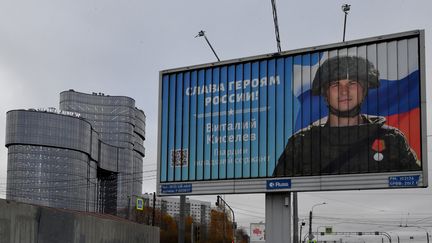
(355, 204)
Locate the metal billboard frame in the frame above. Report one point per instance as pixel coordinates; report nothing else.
(361, 181)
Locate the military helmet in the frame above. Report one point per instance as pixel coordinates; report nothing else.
(345, 67)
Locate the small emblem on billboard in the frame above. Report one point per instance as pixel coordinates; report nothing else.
(278, 184)
(378, 145)
(177, 188)
(378, 156)
(404, 181)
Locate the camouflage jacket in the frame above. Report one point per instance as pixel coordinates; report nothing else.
(369, 147)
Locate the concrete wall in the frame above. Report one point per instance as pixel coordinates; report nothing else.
(24, 223)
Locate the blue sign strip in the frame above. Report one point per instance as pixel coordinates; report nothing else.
(177, 188)
(404, 181)
(278, 184)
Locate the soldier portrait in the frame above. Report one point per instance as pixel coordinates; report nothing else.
(346, 140)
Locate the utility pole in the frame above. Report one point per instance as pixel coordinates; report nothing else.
(311, 236)
(192, 233)
(154, 208)
(224, 226)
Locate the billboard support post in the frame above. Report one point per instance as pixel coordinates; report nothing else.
(181, 228)
(295, 217)
(278, 217)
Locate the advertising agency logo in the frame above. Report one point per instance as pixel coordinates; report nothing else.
(278, 184)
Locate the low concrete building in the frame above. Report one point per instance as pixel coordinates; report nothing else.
(26, 223)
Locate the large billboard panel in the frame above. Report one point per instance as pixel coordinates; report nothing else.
(341, 116)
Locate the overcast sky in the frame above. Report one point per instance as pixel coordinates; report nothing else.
(119, 47)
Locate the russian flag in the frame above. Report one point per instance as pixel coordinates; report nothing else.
(397, 98)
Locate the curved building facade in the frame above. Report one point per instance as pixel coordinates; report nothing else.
(119, 123)
(49, 160)
(92, 162)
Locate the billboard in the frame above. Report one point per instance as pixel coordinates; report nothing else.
(257, 232)
(342, 116)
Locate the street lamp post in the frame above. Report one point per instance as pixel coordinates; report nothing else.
(219, 198)
(345, 9)
(310, 219)
(202, 34)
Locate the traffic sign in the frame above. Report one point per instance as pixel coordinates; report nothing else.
(139, 204)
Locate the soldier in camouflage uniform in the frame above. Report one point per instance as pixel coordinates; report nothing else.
(346, 141)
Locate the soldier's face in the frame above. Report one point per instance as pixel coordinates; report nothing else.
(344, 95)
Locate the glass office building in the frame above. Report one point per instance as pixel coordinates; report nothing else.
(87, 156)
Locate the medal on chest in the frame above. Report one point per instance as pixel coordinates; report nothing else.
(378, 146)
